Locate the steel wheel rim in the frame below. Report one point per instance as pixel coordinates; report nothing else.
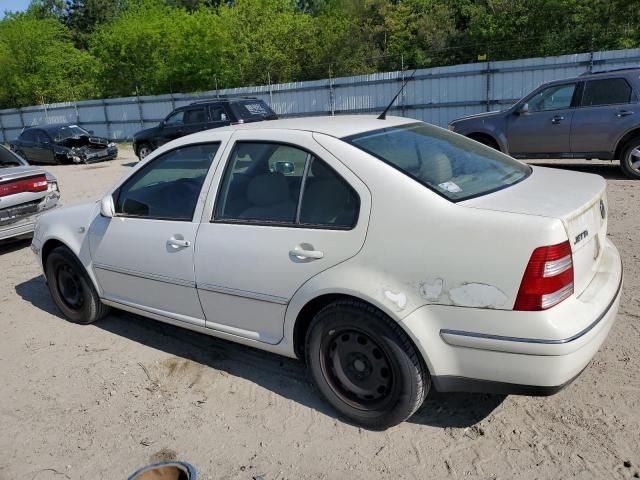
(70, 287)
(633, 159)
(357, 369)
(143, 152)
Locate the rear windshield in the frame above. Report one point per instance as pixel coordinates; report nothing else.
(252, 110)
(452, 166)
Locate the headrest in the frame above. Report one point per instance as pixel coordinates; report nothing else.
(436, 169)
(268, 189)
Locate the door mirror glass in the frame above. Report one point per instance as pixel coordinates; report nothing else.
(523, 109)
(106, 207)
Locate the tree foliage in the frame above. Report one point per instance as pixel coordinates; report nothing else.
(76, 49)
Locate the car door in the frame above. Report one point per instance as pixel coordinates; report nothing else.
(143, 256)
(42, 149)
(27, 145)
(545, 127)
(607, 109)
(284, 211)
(195, 120)
(172, 128)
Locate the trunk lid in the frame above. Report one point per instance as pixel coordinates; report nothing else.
(579, 200)
(14, 187)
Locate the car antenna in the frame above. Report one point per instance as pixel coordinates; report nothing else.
(383, 115)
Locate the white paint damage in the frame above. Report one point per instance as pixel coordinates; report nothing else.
(477, 295)
(431, 289)
(399, 299)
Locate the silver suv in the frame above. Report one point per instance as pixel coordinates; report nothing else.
(596, 115)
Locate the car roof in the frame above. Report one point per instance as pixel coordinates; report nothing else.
(618, 72)
(222, 100)
(50, 126)
(336, 126)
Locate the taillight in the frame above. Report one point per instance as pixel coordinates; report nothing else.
(548, 278)
(33, 184)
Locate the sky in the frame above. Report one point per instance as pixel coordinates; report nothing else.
(13, 5)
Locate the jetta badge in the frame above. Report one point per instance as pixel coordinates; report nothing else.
(603, 210)
(581, 236)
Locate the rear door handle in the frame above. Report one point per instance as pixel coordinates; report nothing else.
(178, 243)
(302, 253)
(557, 119)
(624, 113)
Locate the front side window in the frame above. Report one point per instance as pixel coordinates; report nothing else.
(453, 166)
(552, 98)
(282, 184)
(608, 91)
(167, 188)
(175, 119)
(28, 136)
(42, 137)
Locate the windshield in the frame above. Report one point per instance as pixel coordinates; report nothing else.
(8, 159)
(69, 131)
(451, 165)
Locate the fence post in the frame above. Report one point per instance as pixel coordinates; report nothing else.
(75, 105)
(106, 118)
(4, 133)
(141, 118)
(270, 89)
(332, 107)
(22, 125)
(402, 97)
(488, 93)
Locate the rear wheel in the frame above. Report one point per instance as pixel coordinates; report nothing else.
(630, 160)
(71, 288)
(365, 365)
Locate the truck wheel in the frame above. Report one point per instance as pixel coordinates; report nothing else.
(630, 161)
(365, 365)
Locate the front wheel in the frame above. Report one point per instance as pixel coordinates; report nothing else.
(365, 365)
(144, 150)
(630, 161)
(71, 288)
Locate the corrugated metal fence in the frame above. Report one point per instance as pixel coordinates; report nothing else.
(435, 95)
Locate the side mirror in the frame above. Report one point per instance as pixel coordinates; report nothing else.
(285, 168)
(107, 208)
(161, 125)
(91, 132)
(523, 109)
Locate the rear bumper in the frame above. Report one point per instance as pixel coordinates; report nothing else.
(25, 225)
(533, 353)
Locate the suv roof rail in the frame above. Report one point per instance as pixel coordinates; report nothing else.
(621, 69)
(223, 99)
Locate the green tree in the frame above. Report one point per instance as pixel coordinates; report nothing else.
(38, 63)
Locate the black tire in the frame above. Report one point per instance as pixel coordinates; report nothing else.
(630, 160)
(144, 149)
(389, 383)
(72, 289)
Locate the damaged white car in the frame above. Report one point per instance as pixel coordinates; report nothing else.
(391, 255)
(25, 192)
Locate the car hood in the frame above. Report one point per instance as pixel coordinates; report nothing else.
(84, 141)
(478, 116)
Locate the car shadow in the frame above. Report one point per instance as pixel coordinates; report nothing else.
(283, 376)
(11, 245)
(610, 170)
(129, 164)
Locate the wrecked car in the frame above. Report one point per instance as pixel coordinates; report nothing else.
(25, 192)
(391, 255)
(62, 143)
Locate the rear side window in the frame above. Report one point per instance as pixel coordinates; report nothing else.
(252, 110)
(167, 188)
(195, 115)
(608, 91)
(281, 184)
(451, 165)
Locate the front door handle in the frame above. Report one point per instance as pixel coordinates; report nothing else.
(557, 119)
(306, 251)
(178, 242)
(624, 113)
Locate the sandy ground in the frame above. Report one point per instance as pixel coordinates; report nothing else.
(99, 401)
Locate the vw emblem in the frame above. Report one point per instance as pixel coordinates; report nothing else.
(603, 211)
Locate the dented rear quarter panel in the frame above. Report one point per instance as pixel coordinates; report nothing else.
(422, 249)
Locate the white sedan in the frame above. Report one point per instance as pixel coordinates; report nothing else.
(390, 255)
